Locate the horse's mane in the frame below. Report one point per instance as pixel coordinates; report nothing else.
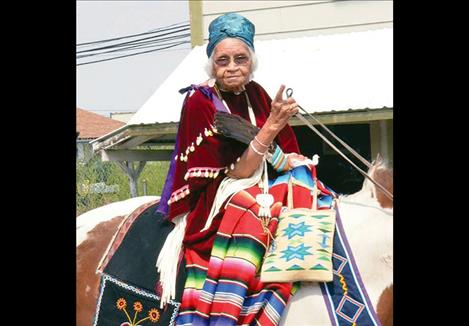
(382, 174)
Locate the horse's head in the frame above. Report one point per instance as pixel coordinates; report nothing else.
(371, 194)
(382, 175)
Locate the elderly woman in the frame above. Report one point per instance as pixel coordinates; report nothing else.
(211, 193)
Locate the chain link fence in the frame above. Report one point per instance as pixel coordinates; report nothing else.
(100, 183)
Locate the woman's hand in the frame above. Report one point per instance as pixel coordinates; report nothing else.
(280, 113)
(292, 157)
(281, 110)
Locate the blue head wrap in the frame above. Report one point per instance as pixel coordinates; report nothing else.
(230, 25)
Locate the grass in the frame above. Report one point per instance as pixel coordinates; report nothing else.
(95, 171)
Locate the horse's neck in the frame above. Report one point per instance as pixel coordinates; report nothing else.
(364, 198)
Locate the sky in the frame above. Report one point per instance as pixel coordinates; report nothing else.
(123, 85)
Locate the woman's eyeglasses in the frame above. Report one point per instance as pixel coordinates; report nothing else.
(238, 60)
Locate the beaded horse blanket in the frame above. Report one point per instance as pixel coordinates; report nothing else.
(128, 294)
(345, 296)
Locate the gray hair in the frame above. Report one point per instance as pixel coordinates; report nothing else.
(210, 63)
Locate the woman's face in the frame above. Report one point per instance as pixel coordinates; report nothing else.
(232, 64)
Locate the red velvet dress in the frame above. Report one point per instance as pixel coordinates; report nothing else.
(240, 297)
(214, 153)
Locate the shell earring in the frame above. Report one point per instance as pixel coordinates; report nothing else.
(211, 82)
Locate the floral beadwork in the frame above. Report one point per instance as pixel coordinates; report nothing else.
(138, 306)
(153, 314)
(121, 303)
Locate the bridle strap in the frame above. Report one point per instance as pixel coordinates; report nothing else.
(289, 93)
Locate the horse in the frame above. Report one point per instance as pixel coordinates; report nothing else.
(366, 217)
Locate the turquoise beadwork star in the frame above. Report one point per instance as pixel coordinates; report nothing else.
(296, 229)
(293, 252)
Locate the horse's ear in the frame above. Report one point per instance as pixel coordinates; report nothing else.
(378, 161)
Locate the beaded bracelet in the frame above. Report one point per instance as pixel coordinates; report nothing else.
(277, 163)
(278, 151)
(279, 160)
(255, 150)
(259, 142)
(281, 167)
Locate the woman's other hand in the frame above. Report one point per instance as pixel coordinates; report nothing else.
(293, 158)
(281, 110)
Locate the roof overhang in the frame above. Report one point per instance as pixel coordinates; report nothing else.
(154, 142)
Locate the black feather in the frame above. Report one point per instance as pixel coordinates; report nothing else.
(235, 127)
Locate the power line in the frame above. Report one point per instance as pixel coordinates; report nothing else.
(154, 39)
(123, 47)
(130, 55)
(133, 41)
(133, 47)
(139, 34)
(164, 38)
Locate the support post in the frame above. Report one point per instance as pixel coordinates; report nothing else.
(132, 174)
